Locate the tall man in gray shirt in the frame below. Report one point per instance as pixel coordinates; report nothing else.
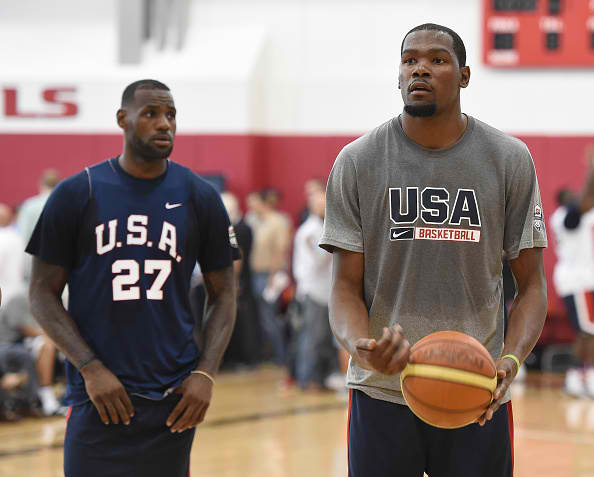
(419, 213)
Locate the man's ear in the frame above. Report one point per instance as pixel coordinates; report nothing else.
(464, 76)
(122, 119)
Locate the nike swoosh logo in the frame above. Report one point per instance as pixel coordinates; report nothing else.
(172, 206)
(396, 235)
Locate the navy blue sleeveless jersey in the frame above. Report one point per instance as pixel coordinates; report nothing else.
(130, 246)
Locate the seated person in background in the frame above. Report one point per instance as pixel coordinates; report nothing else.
(20, 331)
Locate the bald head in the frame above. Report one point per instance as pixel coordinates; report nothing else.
(5, 215)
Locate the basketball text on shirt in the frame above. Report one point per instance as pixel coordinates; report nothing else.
(431, 207)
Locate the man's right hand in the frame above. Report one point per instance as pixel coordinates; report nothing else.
(388, 355)
(107, 393)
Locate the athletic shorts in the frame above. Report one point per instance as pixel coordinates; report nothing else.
(144, 448)
(580, 309)
(388, 440)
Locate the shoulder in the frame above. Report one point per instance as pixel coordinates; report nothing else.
(369, 143)
(499, 141)
(75, 188)
(200, 189)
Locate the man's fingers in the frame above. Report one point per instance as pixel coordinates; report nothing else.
(383, 342)
(127, 403)
(113, 414)
(102, 412)
(365, 344)
(400, 358)
(122, 411)
(184, 421)
(177, 410)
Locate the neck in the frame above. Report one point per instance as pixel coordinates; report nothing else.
(139, 167)
(435, 132)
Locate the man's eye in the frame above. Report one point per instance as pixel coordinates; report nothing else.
(438, 60)
(409, 61)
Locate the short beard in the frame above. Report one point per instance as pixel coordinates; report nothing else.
(148, 153)
(421, 110)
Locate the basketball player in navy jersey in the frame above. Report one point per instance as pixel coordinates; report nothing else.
(125, 235)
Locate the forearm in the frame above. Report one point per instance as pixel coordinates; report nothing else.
(587, 199)
(219, 319)
(59, 326)
(526, 321)
(349, 318)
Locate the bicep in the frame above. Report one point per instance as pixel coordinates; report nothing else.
(528, 268)
(219, 282)
(347, 270)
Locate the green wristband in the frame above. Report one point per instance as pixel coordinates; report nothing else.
(515, 358)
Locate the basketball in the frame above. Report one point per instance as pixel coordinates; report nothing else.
(449, 380)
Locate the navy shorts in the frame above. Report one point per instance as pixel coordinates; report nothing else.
(144, 448)
(580, 308)
(388, 440)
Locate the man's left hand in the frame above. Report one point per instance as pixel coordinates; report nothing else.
(191, 409)
(506, 372)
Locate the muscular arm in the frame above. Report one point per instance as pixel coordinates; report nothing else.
(219, 317)
(525, 322)
(529, 308)
(47, 284)
(349, 319)
(103, 387)
(348, 316)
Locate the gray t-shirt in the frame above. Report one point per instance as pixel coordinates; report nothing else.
(433, 225)
(13, 317)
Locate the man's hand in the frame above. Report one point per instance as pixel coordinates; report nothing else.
(506, 372)
(107, 394)
(388, 355)
(197, 393)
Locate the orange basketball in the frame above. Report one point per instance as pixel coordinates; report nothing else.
(449, 380)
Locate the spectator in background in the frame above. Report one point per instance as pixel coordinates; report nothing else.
(19, 330)
(244, 347)
(12, 256)
(269, 259)
(272, 197)
(573, 225)
(30, 210)
(310, 187)
(312, 269)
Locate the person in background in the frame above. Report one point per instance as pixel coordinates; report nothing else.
(269, 259)
(312, 269)
(12, 256)
(20, 331)
(311, 186)
(31, 208)
(573, 228)
(246, 340)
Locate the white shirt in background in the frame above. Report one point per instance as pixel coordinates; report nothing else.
(12, 263)
(312, 266)
(574, 270)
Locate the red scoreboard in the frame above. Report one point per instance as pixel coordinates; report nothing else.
(538, 33)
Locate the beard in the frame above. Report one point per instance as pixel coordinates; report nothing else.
(149, 153)
(420, 110)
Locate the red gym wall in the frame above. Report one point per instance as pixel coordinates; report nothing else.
(250, 162)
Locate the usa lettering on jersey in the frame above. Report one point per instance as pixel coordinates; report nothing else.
(127, 272)
(427, 214)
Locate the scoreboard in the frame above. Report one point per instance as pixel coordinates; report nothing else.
(538, 33)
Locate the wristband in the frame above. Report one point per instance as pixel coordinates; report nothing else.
(515, 358)
(205, 374)
(86, 361)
